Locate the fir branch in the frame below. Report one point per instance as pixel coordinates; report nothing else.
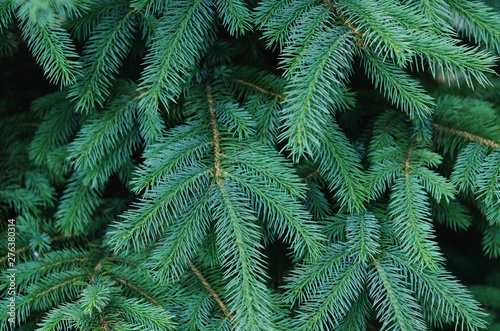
(363, 236)
(185, 32)
(7, 10)
(263, 161)
(183, 239)
(382, 176)
(357, 316)
(57, 128)
(449, 301)
(235, 16)
(398, 86)
(444, 55)
(81, 27)
(155, 6)
(311, 276)
(238, 243)
(468, 167)
(437, 11)
(177, 149)
(453, 214)
(381, 34)
(77, 205)
(159, 208)
(141, 314)
(311, 95)
(278, 18)
(342, 169)
(435, 185)
(410, 209)
(63, 318)
(479, 21)
(50, 44)
(285, 218)
(104, 53)
(325, 311)
(491, 241)
(397, 309)
(488, 188)
(111, 162)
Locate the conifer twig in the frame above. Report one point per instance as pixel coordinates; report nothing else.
(210, 290)
(315, 172)
(357, 33)
(135, 288)
(467, 135)
(57, 286)
(216, 135)
(260, 89)
(122, 260)
(25, 248)
(17, 251)
(407, 162)
(64, 261)
(104, 323)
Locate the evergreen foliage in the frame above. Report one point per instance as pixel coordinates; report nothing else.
(251, 165)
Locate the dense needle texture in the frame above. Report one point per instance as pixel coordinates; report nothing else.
(250, 165)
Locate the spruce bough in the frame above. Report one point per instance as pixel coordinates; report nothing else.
(244, 165)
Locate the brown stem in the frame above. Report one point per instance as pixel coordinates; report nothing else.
(57, 286)
(135, 288)
(407, 163)
(65, 261)
(17, 251)
(210, 290)
(114, 259)
(467, 135)
(357, 33)
(216, 135)
(25, 248)
(104, 323)
(315, 172)
(260, 89)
